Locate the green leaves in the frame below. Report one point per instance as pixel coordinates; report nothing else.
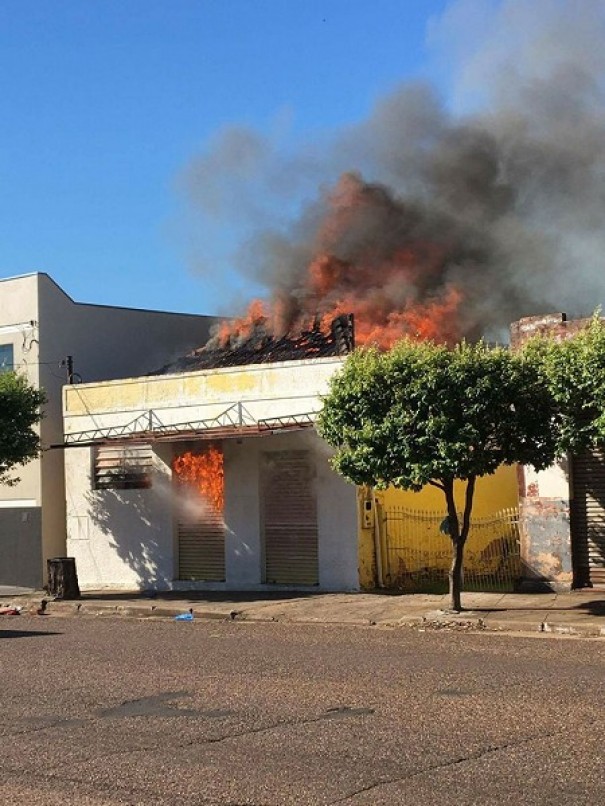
(574, 371)
(19, 413)
(422, 412)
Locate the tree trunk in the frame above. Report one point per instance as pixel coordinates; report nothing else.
(458, 537)
(455, 575)
(62, 578)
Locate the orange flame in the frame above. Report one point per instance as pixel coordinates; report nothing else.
(203, 472)
(393, 291)
(242, 328)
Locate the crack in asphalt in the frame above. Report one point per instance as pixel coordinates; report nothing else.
(331, 713)
(454, 762)
(53, 723)
(141, 706)
(153, 706)
(195, 800)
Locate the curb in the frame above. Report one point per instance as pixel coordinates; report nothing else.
(573, 629)
(430, 622)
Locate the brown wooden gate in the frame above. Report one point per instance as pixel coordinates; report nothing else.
(588, 518)
(289, 518)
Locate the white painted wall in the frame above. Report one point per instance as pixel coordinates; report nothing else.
(336, 505)
(120, 539)
(105, 557)
(263, 391)
(106, 342)
(19, 326)
(546, 548)
(126, 539)
(550, 483)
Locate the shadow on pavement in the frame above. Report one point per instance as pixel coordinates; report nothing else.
(593, 607)
(200, 596)
(25, 633)
(596, 607)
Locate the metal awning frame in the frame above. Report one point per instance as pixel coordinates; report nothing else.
(235, 422)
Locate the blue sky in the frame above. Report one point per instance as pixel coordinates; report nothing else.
(104, 104)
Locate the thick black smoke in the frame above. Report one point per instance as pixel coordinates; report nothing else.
(510, 188)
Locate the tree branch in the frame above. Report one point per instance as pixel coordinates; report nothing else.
(448, 489)
(436, 484)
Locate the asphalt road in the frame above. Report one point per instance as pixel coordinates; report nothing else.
(114, 711)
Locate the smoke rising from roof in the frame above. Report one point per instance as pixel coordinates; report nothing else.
(467, 216)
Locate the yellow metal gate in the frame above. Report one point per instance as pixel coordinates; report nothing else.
(418, 551)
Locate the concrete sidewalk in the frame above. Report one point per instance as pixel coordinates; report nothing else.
(577, 613)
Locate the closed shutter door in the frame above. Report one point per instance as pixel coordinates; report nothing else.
(199, 484)
(588, 518)
(289, 519)
(202, 547)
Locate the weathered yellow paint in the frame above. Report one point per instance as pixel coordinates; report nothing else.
(106, 397)
(133, 394)
(232, 383)
(366, 543)
(493, 494)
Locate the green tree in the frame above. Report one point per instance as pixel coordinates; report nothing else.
(19, 414)
(425, 414)
(574, 371)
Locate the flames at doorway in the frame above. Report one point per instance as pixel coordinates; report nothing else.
(200, 476)
(199, 480)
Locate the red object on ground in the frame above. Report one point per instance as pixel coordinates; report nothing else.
(9, 611)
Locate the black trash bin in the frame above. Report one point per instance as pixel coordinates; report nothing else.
(63, 578)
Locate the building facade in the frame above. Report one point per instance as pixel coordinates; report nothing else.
(40, 326)
(217, 479)
(140, 450)
(213, 479)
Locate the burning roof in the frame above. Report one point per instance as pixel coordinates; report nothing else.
(257, 345)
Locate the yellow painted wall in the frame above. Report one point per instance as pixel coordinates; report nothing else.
(492, 494)
(422, 545)
(366, 543)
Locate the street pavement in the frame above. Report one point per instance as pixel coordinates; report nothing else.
(576, 613)
(106, 711)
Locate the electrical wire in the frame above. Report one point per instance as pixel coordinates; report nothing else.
(56, 363)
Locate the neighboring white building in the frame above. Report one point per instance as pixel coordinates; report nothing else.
(285, 517)
(40, 325)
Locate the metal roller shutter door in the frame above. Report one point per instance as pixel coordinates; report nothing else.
(588, 518)
(202, 548)
(289, 519)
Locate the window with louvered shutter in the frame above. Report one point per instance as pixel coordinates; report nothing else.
(123, 467)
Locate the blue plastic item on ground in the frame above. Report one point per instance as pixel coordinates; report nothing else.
(184, 617)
